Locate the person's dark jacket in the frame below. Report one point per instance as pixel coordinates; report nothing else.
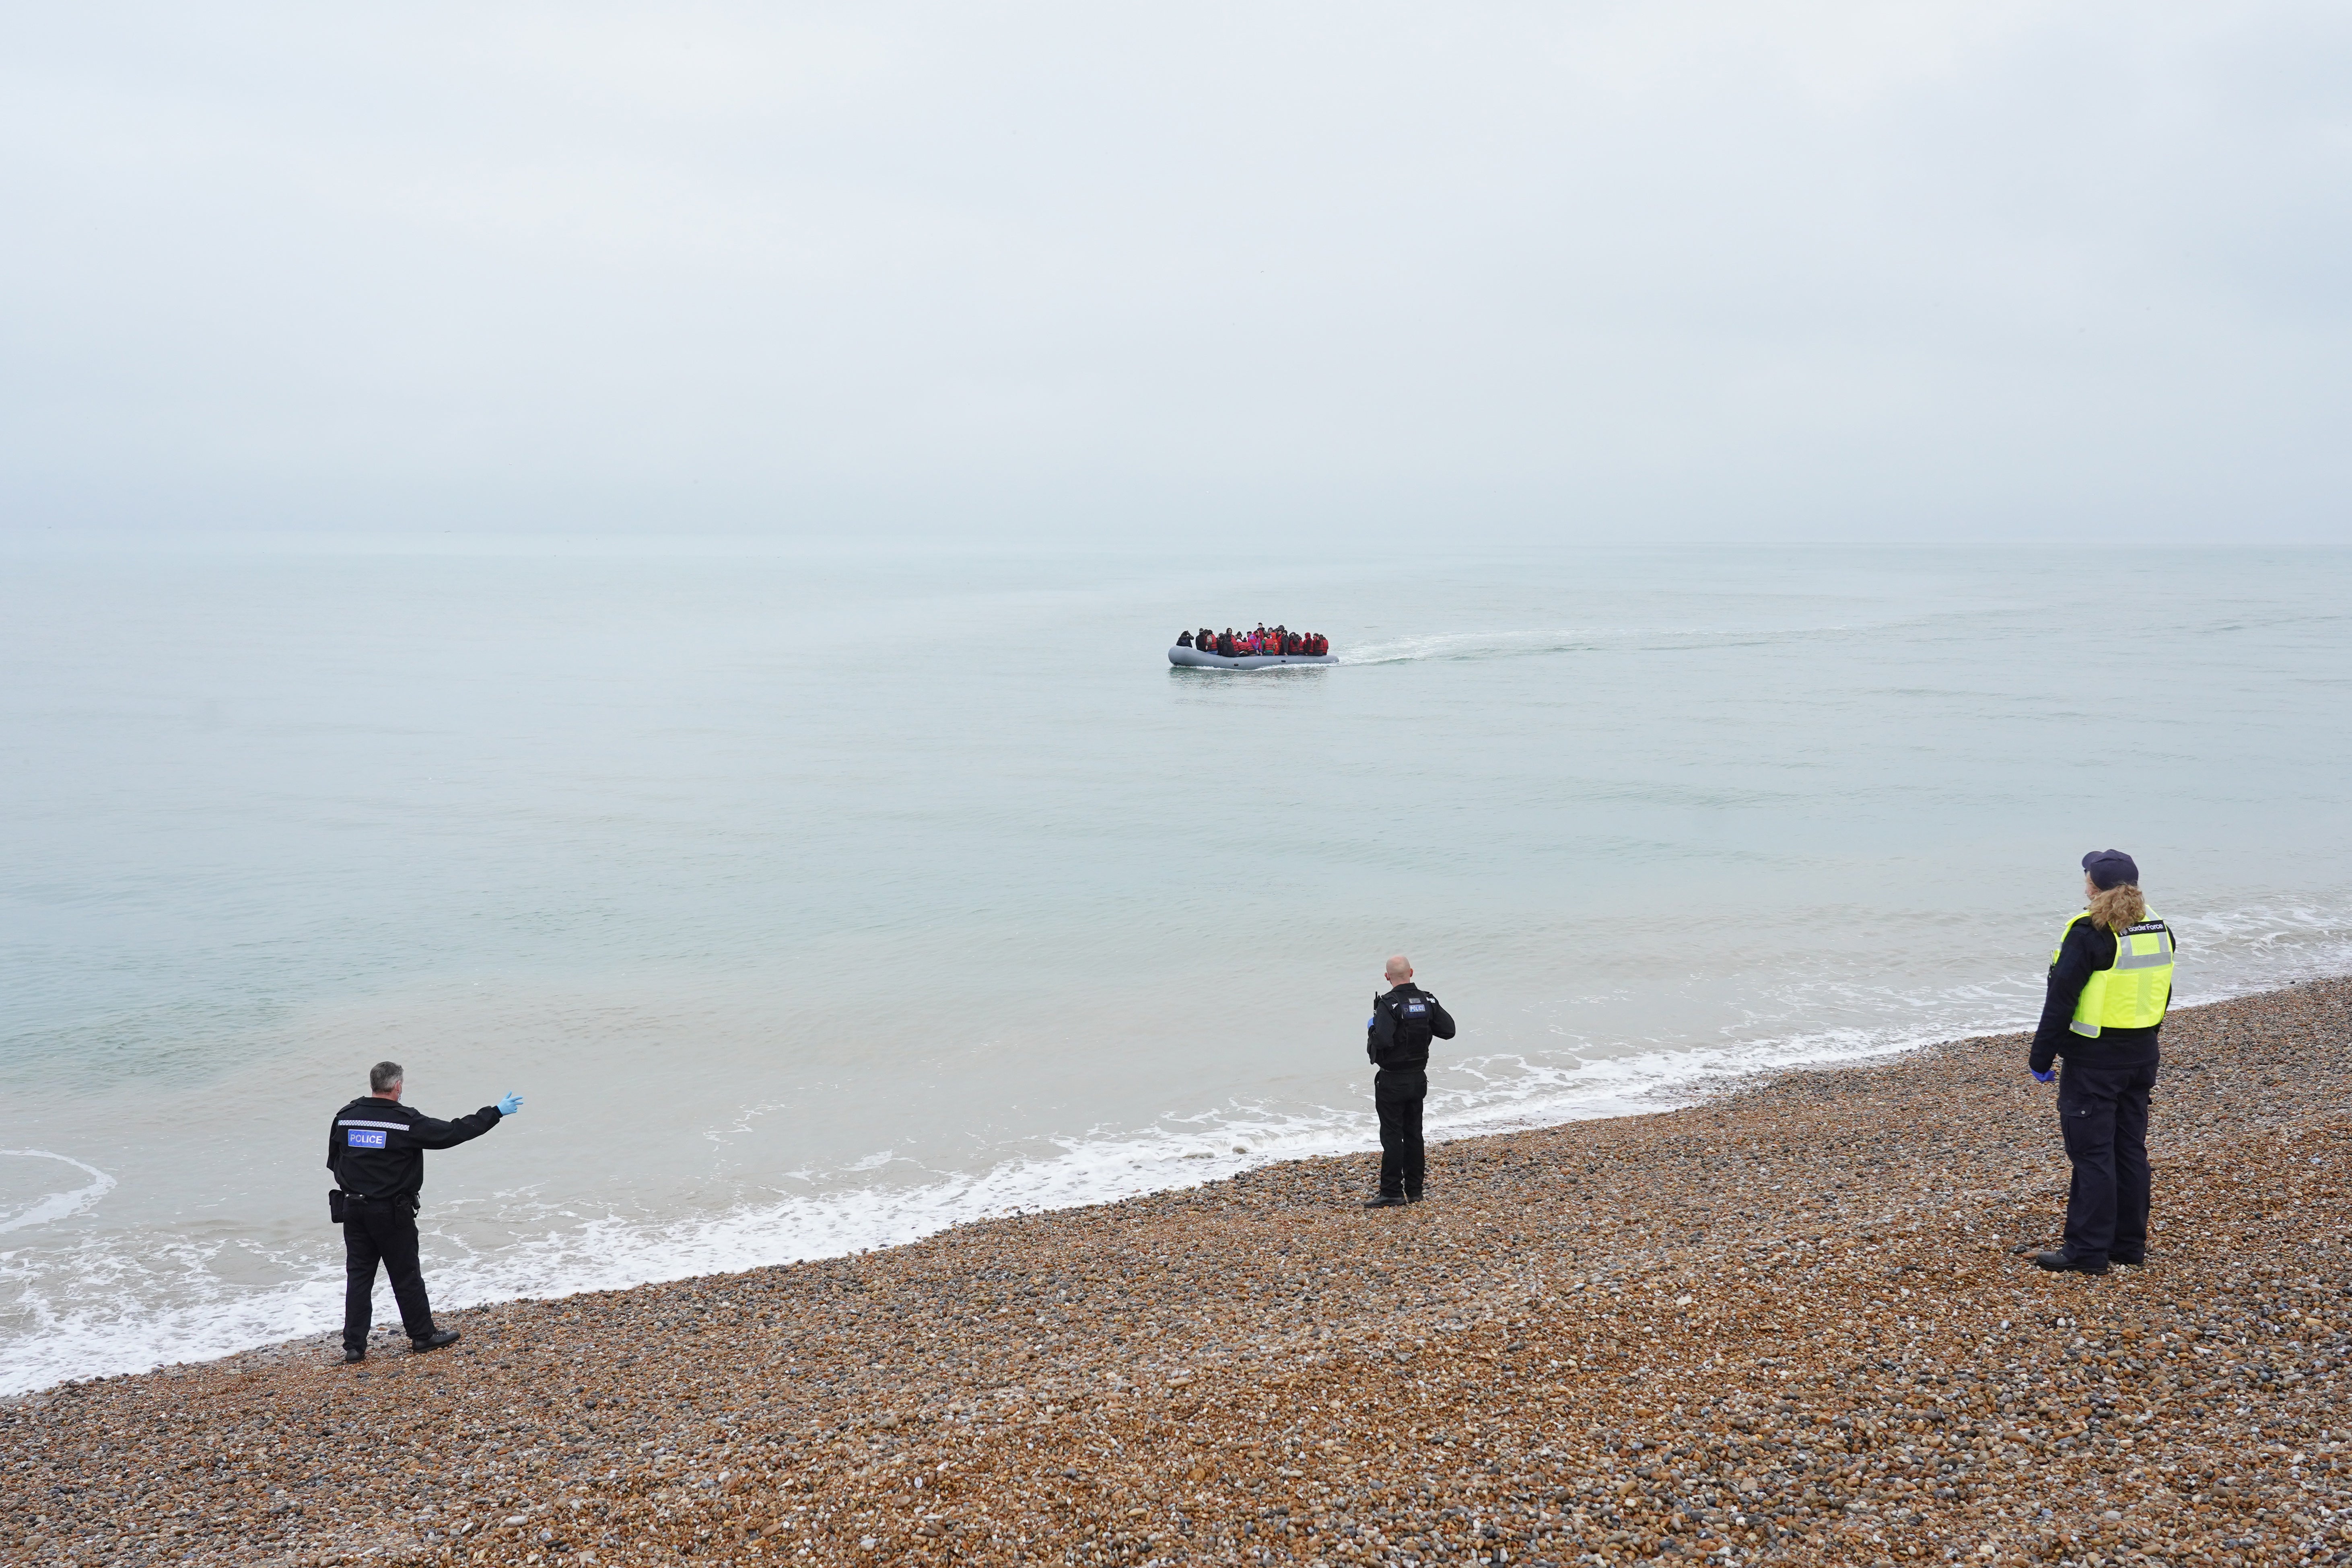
(1403, 1021)
(2086, 950)
(1183, 639)
(376, 1146)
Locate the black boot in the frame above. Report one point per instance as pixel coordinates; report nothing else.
(434, 1339)
(1385, 1200)
(351, 1358)
(2065, 1262)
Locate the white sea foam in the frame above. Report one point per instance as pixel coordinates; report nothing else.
(100, 1307)
(52, 1207)
(108, 1322)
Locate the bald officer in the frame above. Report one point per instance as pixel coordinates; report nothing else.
(376, 1149)
(1405, 1020)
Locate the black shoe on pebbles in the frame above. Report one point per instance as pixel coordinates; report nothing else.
(353, 1357)
(2065, 1262)
(434, 1339)
(1385, 1200)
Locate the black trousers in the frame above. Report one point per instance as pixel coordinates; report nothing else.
(382, 1233)
(2104, 1111)
(1397, 1094)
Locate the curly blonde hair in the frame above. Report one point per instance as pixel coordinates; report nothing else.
(2116, 908)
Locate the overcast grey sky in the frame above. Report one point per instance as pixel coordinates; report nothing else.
(1721, 271)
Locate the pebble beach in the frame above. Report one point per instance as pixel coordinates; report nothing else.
(1787, 1325)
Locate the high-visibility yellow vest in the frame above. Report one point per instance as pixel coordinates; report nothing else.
(2132, 993)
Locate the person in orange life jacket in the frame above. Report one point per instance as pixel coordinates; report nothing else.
(1405, 1020)
(376, 1146)
(2103, 1099)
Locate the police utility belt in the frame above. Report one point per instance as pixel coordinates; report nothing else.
(340, 1204)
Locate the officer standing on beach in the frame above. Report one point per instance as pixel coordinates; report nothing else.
(376, 1149)
(2110, 982)
(1405, 1020)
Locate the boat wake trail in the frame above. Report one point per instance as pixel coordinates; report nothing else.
(1474, 646)
(1471, 645)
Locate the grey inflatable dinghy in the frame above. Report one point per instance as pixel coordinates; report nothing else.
(1193, 658)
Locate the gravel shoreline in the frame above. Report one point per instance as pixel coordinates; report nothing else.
(1784, 1325)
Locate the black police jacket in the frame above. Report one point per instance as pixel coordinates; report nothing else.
(376, 1147)
(2086, 950)
(1403, 1023)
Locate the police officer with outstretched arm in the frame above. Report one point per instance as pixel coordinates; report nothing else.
(1405, 1020)
(376, 1149)
(2110, 982)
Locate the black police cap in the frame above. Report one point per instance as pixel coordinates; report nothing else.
(2111, 868)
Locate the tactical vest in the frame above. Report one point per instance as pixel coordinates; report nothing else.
(1416, 1022)
(2132, 992)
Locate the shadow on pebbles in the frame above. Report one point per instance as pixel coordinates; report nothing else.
(1783, 1325)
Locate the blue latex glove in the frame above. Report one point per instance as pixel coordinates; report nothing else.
(510, 1103)
(2049, 1077)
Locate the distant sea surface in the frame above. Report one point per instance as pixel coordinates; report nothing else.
(818, 899)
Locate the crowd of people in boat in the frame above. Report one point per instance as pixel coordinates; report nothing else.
(1266, 639)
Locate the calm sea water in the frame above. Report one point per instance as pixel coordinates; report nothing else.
(817, 900)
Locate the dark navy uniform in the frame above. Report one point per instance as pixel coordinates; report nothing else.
(1404, 1021)
(376, 1149)
(2111, 1067)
